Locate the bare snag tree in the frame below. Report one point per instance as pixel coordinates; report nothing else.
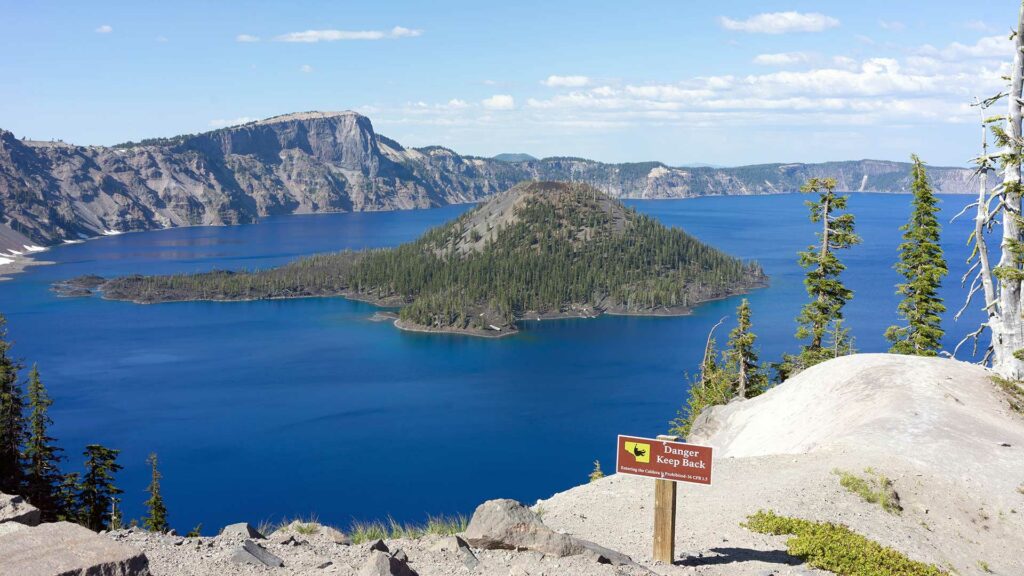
(1000, 205)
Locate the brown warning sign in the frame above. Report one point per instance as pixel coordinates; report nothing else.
(664, 459)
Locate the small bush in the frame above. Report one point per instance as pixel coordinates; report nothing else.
(1014, 392)
(876, 489)
(838, 549)
(596, 474)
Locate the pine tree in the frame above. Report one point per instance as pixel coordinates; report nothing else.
(156, 520)
(42, 474)
(923, 266)
(742, 357)
(69, 496)
(98, 493)
(713, 386)
(12, 417)
(828, 294)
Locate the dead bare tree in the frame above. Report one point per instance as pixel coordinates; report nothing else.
(1001, 285)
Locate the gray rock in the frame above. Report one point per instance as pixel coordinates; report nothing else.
(8, 527)
(66, 548)
(240, 530)
(605, 555)
(381, 564)
(252, 553)
(507, 524)
(469, 560)
(379, 546)
(449, 544)
(400, 555)
(325, 565)
(17, 509)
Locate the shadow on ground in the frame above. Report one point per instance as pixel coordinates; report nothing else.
(731, 555)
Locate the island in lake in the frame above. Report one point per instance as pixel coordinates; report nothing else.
(539, 250)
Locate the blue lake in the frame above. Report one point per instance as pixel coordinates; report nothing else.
(262, 410)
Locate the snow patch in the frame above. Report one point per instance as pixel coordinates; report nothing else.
(5, 261)
(112, 232)
(34, 248)
(74, 241)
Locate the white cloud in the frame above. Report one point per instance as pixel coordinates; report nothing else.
(161, 39)
(105, 29)
(998, 46)
(566, 81)
(311, 36)
(978, 25)
(305, 68)
(782, 59)
(892, 25)
(781, 23)
(247, 38)
(456, 104)
(499, 102)
(222, 123)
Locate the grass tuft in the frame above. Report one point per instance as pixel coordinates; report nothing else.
(363, 531)
(876, 489)
(838, 549)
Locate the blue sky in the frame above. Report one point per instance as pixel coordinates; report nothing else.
(718, 82)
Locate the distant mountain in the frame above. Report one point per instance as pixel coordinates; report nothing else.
(515, 158)
(330, 162)
(540, 249)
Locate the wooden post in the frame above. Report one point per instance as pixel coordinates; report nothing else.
(665, 516)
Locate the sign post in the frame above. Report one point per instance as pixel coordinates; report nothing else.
(668, 462)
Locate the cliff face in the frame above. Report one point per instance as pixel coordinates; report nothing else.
(325, 161)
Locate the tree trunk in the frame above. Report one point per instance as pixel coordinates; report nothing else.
(819, 331)
(1008, 331)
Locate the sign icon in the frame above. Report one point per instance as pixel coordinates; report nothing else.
(641, 452)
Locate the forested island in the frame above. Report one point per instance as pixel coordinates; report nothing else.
(538, 250)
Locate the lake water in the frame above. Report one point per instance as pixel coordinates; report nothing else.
(261, 410)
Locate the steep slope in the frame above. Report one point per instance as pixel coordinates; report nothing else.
(334, 161)
(939, 429)
(541, 249)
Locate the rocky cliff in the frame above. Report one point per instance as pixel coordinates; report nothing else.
(328, 162)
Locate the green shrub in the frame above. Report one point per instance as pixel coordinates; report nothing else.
(876, 489)
(838, 549)
(596, 474)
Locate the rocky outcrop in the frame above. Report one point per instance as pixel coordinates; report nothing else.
(63, 548)
(16, 509)
(332, 162)
(508, 525)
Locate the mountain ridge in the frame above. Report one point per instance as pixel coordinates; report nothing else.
(311, 162)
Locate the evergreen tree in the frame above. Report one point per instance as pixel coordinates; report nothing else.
(98, 493)
(12, 417)
(742, 357)
(156, 520)
(69, 496)
(923, 266)
(828, 294)
(42, 474)
(714, 385)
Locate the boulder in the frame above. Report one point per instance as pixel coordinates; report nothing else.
(8, 527)
(252, 553)
(449, 544)
(507, 524)
(383, 564)
(17, 509)
(240, 530)
(66, 548)
(379, 546)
